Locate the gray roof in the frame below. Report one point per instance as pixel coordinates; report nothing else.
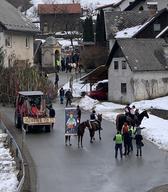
(144, 54)
(118, 20)
(13, 20)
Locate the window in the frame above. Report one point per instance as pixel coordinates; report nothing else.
(123, 88)
(45, 27)
(27, 42)
(8, 41)
(156, 27)
(115, 65)
(124, 65)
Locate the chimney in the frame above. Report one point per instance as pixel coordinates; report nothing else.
(152, 7)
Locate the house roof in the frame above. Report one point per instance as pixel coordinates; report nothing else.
(100, 73)
(133, 5)
(133, 31)
(148, 54)
(150, 20)
(114, 4)
(118, 20)
(165, 30)
(59, 8)
(12, 19)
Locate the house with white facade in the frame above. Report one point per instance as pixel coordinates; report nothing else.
(137, 70)
(16, 36)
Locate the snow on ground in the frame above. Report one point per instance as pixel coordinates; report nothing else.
(8, 174)
(156, 129)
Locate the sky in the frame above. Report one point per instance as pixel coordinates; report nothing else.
(156, 129)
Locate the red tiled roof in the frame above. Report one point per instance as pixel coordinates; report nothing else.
(59, 8)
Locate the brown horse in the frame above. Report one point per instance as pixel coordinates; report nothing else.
(81, 131)
(121, 118)
(92, 126)
(95, 126)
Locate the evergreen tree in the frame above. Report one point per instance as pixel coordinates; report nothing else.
(100, 29)
(88, 34)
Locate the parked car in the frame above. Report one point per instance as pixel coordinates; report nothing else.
(100, 92)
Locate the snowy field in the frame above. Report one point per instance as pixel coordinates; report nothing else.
(8, 172)
(156, 129)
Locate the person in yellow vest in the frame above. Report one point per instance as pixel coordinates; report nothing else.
(118, 138)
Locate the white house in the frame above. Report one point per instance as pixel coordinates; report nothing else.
(16, 36)
(138, 69)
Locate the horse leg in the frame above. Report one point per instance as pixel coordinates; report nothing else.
(78, 140)
(81, 141)
(91, 136)
(100, 133)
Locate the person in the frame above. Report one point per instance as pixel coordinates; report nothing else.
(78, 113)
(61, 93)
(118, 138)
(127, 110)
(69, 97)
(34, 110)
(63, 64)
(139, 144)
(132, 112)
(126, 138)
(94, 119)
(56, 80)
(93, 116)
(131, 136)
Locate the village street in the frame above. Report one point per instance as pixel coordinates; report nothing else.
(93, 168)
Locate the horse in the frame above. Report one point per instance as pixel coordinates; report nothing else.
(92, 126)
(95, 126)
(80, 132)
(121, 118)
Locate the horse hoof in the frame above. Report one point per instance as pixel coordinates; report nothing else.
(93, 138)
(100, 138)
(82, 146)
(91, 141)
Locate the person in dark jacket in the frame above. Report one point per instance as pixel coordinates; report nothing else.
(56, 80)
(139, 144)
(69, 97)
(118, 138)
(78, 113)
(61, 94)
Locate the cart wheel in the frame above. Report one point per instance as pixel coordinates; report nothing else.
(47, 128)
(18, 121)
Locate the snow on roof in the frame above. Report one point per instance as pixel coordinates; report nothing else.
(30, 93)
(66, 42)
(164, 30)
(128, 32)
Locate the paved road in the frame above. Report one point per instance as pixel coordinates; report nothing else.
(93, 168)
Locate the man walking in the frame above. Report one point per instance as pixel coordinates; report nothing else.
(118, 138)
(69, 97)
(61, 93)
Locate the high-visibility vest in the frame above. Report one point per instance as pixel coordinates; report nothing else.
(118, 138)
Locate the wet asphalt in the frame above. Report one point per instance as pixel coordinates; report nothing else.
(93, 168)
